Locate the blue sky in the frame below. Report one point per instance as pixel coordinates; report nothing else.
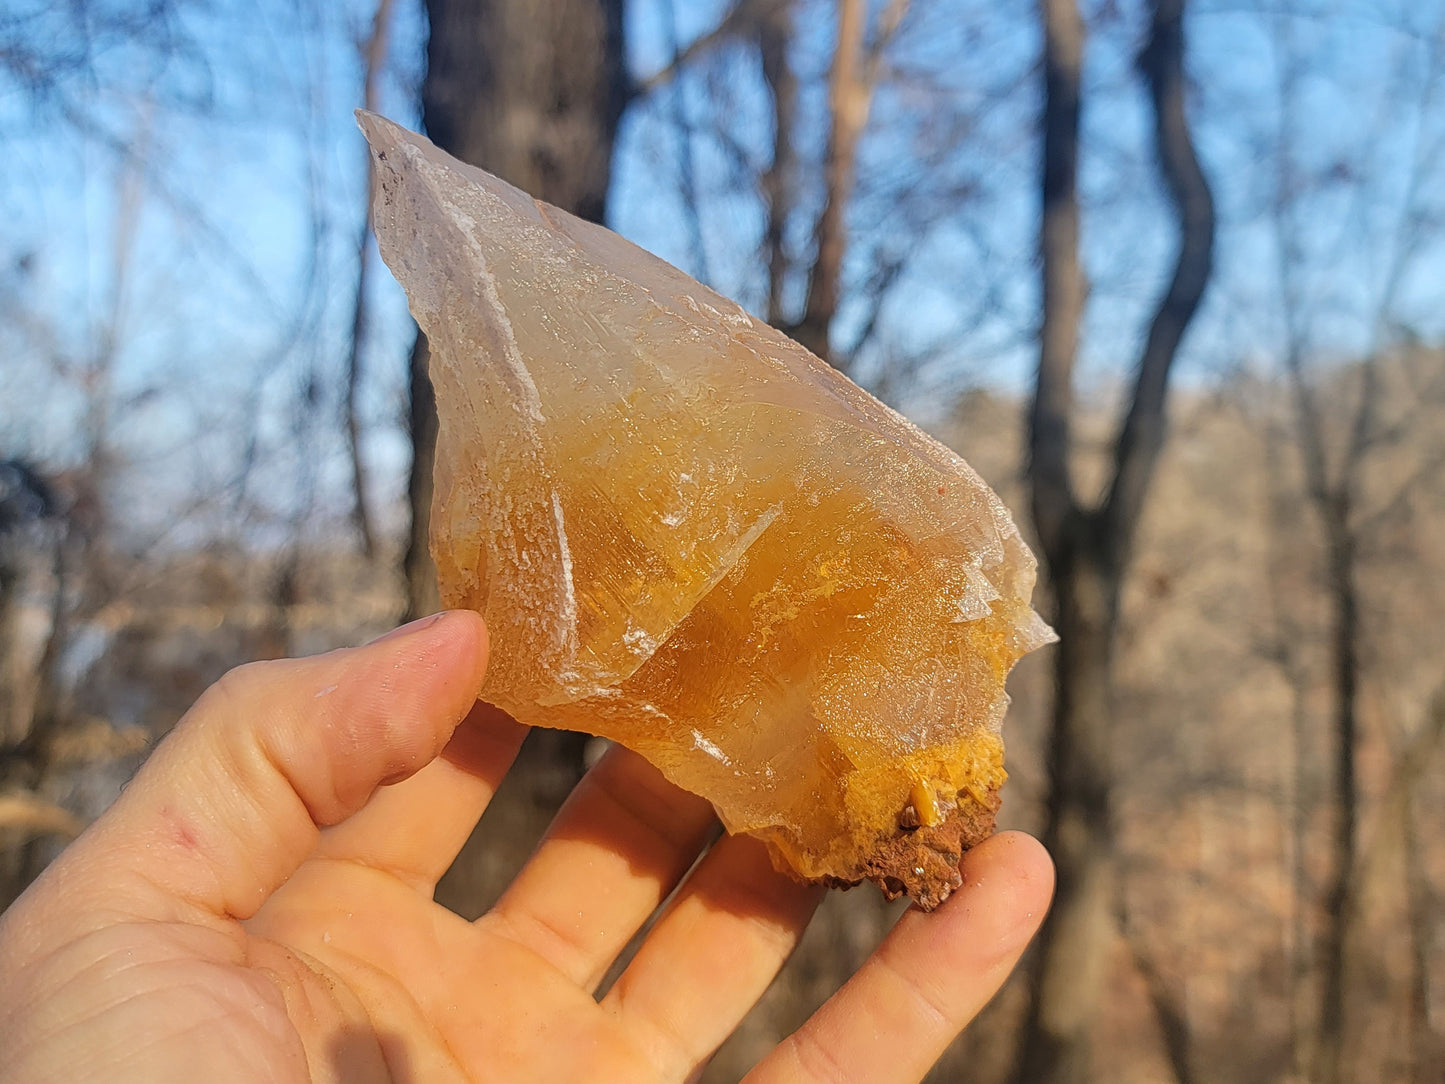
(242, 211)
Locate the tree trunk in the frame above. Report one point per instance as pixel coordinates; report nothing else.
(848, 101)
(775, 28)
(851, 84)
(1169, 1008)
(1078, 935)
(532, 91)
(1068, 972)
(1339, 898)
(1086, 550)
(422, 597)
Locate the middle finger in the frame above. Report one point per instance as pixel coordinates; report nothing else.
(618, 846)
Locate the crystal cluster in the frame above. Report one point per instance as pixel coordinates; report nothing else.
(691, 536)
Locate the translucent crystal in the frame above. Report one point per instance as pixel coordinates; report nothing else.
(691, 536)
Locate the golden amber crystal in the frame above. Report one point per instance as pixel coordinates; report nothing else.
(691, 536)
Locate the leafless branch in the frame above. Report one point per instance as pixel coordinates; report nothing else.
(737, 20)
(883, 277)
(373, 59)
(1169, 1009)
(33, 815)
(683, 131)
(1142, 436)
(851, 85)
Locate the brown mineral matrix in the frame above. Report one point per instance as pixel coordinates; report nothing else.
(691, 536)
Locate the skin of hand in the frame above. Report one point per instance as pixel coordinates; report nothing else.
(257, 905)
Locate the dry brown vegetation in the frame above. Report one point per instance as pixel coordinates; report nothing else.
(1219, 900)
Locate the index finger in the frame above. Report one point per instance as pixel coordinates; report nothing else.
(931, 975)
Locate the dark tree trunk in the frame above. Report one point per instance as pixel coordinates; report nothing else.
(1086, 549)
(848, 98)
(1334, 495)
(421, 571)
(531, 90)
(1345, 677)
(1075, 948)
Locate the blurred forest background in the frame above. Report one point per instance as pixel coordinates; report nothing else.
(1021, 223)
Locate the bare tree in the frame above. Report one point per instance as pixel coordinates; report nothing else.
(1087, 549)
(774, 31)
(1339, 425)
(852, 82)
(849, 97)
(851, 85)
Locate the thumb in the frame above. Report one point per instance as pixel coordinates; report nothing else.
(230, 804)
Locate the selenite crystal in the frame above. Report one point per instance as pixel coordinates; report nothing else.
(689, 535)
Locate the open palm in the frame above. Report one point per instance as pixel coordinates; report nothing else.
(258, 906)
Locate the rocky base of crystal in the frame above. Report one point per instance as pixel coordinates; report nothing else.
(921, 862)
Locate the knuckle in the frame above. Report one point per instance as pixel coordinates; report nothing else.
(817, 1060)
(236, 692)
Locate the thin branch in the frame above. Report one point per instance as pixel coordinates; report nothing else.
(733, 24)
(686, 169)
(884, 275)
(32, 815)
(850, 98)
(1406, 243)
(373, 59)
(184, 207)
(888, 25)
(1169, 1009)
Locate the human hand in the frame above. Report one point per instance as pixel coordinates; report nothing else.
(257, 905)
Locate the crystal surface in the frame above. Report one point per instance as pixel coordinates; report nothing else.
(691, 536)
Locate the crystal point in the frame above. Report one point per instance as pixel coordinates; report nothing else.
(689, 535)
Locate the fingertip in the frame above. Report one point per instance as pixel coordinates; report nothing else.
(932, 974)
(461, 635)
(1016, 855)
(465, 633)
(403, 695)
(1008, 884)
(471, 632)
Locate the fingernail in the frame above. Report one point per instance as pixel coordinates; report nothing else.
(409, 628)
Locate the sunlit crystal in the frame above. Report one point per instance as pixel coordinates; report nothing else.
(689, 535)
